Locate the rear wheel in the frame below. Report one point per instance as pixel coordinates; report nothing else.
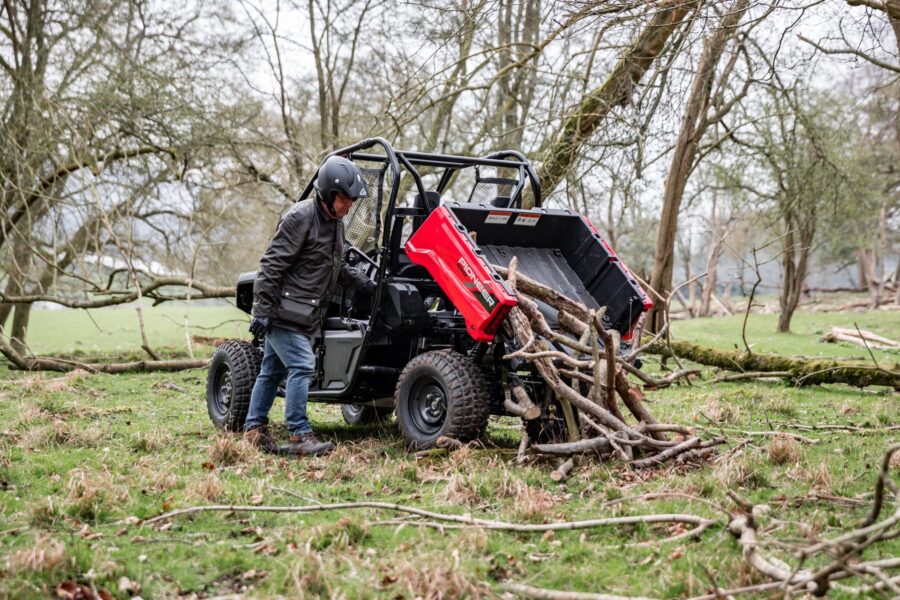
(229, 382)
(441, 394)
(360, 414)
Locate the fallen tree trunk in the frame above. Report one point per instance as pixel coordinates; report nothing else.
(49, 363)
(801, 371)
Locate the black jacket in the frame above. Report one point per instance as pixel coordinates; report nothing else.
(299, 269)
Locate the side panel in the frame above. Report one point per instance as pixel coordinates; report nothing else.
(443, 246)
(341, 353)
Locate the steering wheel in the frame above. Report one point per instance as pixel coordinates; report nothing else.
(353, 256)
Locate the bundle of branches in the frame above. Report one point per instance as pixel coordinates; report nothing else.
(589, 378)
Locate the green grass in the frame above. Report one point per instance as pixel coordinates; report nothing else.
(115, 329)
(83, 456)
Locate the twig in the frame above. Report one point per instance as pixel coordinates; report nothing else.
(866, 344)
(523, 446)
(634, 353)
(528, 591)
(463, 519)
(666, 454)
(750, 302)
(750, 375)
(848, 428)
(547, 594)
(880, 484)
(796, 436)
(659, 382)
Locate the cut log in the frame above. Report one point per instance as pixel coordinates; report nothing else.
(801, 371)
(868, 335)
(590, 445)
(523, 406)
(834, 337)
(862, 338)
(562, 472)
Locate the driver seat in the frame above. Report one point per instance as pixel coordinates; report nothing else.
(429, 203)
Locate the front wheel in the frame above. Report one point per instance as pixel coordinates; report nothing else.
(441, 394)
(229, 382)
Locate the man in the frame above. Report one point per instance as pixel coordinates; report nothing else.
(296, 277)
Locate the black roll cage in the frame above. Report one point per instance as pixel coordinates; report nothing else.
(409, 160)
(449, 162)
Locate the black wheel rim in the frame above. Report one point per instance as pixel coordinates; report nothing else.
(427, 407)
(222, 390)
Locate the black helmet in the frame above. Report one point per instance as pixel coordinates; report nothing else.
(337, 174)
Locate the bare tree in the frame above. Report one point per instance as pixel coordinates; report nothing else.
(560, 152)
(806, 158)
(102, 119)
(696, 121)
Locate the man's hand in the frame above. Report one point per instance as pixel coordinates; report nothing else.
(368, 290)
(260, 326)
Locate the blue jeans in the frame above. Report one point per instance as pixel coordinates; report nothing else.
(285, 353)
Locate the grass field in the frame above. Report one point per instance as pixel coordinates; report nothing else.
(115, 329)
(84, 458)
(806, 329)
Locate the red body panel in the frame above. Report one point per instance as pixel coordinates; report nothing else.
(444, 248)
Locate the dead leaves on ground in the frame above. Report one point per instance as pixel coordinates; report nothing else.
(70, 590)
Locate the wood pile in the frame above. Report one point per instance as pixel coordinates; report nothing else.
(584, 369)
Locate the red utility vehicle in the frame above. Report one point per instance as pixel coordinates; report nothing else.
(430, 344)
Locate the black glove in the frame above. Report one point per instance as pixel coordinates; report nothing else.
(260, 326)
(368, 290)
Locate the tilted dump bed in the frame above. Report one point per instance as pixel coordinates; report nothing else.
(459, 243)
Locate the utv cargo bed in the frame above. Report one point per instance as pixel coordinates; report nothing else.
(459, 243)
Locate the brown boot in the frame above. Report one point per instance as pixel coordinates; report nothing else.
(307, 443)
(259, 437)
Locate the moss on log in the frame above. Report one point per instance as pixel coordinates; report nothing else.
(802, 371)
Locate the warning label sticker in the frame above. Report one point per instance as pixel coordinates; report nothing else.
(498, 217)
(527, 219)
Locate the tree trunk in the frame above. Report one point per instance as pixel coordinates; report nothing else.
(19, 330)
(868, 275)
(324, 119)
(17, 280)
(558, 155)
(802, 371)
(693, 125)
(880, 252)
(712, 259)
(797, 243)
(897, 284)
